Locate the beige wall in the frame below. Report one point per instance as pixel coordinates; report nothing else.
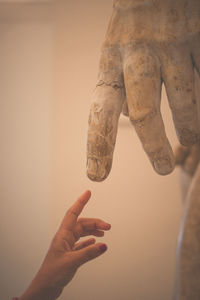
(43, 159)
(25, 82)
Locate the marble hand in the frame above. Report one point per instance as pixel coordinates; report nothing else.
(148, 43)
(188, 158)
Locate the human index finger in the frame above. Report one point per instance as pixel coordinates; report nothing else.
(74, 211)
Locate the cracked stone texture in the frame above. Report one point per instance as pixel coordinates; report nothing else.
(148, 43)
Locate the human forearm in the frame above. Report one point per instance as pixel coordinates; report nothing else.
(38, 291)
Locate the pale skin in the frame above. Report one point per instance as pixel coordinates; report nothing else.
(148, 43)
(66, 254)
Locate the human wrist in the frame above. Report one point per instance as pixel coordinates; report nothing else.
(35, 292)
(32, 295)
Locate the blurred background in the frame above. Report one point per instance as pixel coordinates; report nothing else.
(49, 54)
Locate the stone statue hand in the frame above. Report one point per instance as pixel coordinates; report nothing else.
(65, 254)
(188, 158)
(187, 279)
(148, 43)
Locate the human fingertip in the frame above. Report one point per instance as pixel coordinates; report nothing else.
(89, 193)
(86, 195)
(103, 247)
(108, 226)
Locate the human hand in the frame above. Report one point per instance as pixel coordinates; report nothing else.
(148, 42)
(65, 255)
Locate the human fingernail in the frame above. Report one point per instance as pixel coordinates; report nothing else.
(108, 225)
(103, 247)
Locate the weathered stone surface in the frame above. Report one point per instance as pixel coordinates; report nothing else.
(188, 254)
(148, 42)
(188, 158)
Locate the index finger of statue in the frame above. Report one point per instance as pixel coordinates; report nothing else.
(74, 211)
(105, 110)
(143, 91)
